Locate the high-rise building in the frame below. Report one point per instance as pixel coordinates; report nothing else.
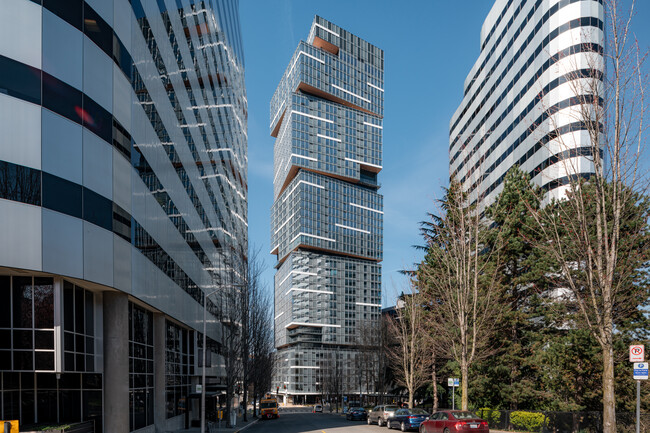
(327, 217)
(123, 161)
(520, 105)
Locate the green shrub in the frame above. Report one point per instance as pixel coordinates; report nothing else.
(492, 416)
(527, 421)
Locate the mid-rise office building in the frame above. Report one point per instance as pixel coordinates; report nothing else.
(521, 104)
(123, 164)
(327, 216)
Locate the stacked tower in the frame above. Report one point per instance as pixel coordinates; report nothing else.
(521, 104)
(327, 217)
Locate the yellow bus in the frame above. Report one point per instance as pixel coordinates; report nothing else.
(269, 408)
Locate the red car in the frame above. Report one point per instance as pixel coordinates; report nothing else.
(454, 421)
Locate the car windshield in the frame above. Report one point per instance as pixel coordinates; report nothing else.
(390, 408)
(417, 411)
(268, 405)
(464, 415)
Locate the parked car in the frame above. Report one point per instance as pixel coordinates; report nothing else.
(356, 413)
(407, 419)
(318, 408)
(454, 421)
(379, 414)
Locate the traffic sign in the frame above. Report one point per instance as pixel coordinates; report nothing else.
(199, 388)
(640, 370)
(637, 353)
(455, 382)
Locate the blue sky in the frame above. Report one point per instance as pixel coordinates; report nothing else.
(429, 48)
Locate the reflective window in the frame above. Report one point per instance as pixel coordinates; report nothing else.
(69, 10)
(140, 367)
(62, 98)
(20, 80)
(20, 183)
(98, 30)
(79, 328)
(97, 209)
(61, 195)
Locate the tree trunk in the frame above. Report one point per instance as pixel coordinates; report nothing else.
(245, 399)
(411, 392)
(609, 400)
(434, 384)
(464, 379)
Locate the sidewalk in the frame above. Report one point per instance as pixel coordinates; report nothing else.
(241, 425)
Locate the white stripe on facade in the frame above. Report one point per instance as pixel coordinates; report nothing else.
(363, 162)
(366, 208)
(327, 30)
(350, 93)
(312, 116)
(327, 137)
(352, 228)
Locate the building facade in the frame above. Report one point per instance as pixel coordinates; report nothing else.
(123, 164)
(521, 103)
(327, 215)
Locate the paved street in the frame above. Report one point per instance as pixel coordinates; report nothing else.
(312, 423)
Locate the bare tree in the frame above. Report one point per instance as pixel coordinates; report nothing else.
(408, 357)
(595, 235)
(458, 283)
(257, 331)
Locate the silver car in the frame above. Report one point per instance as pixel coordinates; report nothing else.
(379, 414)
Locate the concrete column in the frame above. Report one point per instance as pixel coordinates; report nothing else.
(159, 341)
(116, 362)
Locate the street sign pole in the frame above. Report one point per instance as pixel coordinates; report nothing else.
(638, 406)
(453, 397)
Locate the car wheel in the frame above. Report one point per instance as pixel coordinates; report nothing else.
(446, 430)
(379, 423)
(369, 421)
(403, 426)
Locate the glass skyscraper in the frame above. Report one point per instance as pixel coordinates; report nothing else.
(520, 105)
(123, 199)
(327, 216)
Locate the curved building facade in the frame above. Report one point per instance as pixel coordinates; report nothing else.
(327, 216)
(521, 103)
(123, 197)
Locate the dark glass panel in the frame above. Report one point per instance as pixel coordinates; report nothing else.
(61, 195)
(123, 59)
(23, 360)
(149, 407)
(46, 380)
(11, 381)
(62, 98)
(71, 11)
(11, 404)
(68, 307)
(80, 359)
(79, 315)
(27, 407)
(79, 343)
(5, 301)
(90, 313)
(70, 381)
(19, 80)
(44, 360)
(97, 209)
(44, 339)
(139, 409)
(97, 119)
(22, 310)
(97, 30)
(5, 360)
(27, 380)
(70, 406)
(68, 359)
(121, 223)
(46, 406)
(92, 407)
(90, 345)
(43, 303)
(91, 381)
(68, 339)
(23, 339)
(5, 339)
(90, 363)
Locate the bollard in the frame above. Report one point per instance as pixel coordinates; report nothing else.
(7, 427)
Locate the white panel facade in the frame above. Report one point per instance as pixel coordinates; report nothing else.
(21, 123)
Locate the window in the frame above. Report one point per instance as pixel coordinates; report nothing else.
(28, 309)
(179, 366)
(140, 367)
(79, 328)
